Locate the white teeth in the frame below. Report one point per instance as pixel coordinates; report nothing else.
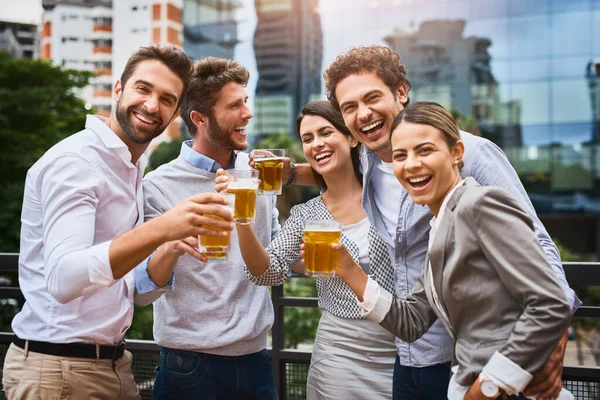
(417, 180)
(369, 127)
(321, 156)
(146, 120)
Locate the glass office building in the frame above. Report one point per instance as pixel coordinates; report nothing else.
(523, 73)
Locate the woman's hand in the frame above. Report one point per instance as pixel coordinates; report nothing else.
(221, 180)
(348, 270)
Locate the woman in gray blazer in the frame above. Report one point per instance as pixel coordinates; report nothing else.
(485, 276)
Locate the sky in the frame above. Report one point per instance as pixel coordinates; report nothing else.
(28, 11)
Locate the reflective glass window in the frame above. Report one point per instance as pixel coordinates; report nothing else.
(534, 101)
(571, 101)
(529, 37)
(520, 7)
(570, 33)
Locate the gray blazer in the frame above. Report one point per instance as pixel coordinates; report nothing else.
(493, 282)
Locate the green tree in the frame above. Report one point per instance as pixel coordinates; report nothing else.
(164, 153)
(300, 323)
(39, 106)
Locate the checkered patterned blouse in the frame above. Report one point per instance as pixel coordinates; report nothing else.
(334, 295)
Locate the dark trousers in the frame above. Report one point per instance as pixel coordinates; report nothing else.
(426, 383)
(191, 375)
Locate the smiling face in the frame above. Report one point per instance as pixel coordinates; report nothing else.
(326, 149)
(369, 107)
(424, 164)
(147, 103)
(229, 117)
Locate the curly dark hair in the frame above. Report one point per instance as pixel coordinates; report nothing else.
(378, 59)
(209, 76)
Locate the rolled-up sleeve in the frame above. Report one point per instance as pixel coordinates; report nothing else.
(75, 266)
(284, 251)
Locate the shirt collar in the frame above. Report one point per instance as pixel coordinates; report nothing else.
(200, 160)
(434, 220)
(110, 139)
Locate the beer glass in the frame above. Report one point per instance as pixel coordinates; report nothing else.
(243, 183)
(217, 247)
(270, 164)
(320, 259)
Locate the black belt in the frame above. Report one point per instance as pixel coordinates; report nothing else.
(81, 350)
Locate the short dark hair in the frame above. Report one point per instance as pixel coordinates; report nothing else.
(208, 78)
(173, 57)
(381, 60)
(325, 110)
(432, 114)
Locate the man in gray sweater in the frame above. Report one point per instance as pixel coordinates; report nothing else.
(212, 325)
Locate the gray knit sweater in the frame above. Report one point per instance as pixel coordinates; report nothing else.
(213, 308)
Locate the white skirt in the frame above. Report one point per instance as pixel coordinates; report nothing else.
(352, 359)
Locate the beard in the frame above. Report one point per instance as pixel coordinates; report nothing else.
(222, 137)
(136, 134)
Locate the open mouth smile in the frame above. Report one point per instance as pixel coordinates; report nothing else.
(323, 157)
(372, 129)
(419, 182)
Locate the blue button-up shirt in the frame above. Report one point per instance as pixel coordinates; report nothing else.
(201, 161)
(488, 164)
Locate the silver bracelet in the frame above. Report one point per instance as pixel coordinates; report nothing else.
(292, 180)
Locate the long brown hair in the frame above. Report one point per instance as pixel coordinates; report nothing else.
(324, 109)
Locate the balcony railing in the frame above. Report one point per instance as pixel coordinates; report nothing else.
(290, 367)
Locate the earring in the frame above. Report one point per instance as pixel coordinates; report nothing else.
(456, 162)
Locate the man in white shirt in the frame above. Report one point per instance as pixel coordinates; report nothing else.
(82, 236)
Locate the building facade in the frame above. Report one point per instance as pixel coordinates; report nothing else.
(524, 72)
(288, 46)
(210, 28)
(100, 36)
(19, 39)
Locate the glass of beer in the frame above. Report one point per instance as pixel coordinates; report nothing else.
(243, 183)
(217, 247)
(270, 164)
(320, 259)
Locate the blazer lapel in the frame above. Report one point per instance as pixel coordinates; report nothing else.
(438, 247)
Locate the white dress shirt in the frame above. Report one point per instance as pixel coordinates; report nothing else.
(83, 193)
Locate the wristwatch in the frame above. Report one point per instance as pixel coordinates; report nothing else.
(488, 388)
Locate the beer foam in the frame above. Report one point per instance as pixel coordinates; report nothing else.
(268, 159)
(322, 229)
(243, 184)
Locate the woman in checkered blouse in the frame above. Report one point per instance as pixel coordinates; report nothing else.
(353, 358)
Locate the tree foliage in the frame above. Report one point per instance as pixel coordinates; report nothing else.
(164, 153)
(39, 106)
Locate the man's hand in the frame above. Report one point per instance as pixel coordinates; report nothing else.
(548, 382)
(164, 260)
(191, 217)
(189, 245)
